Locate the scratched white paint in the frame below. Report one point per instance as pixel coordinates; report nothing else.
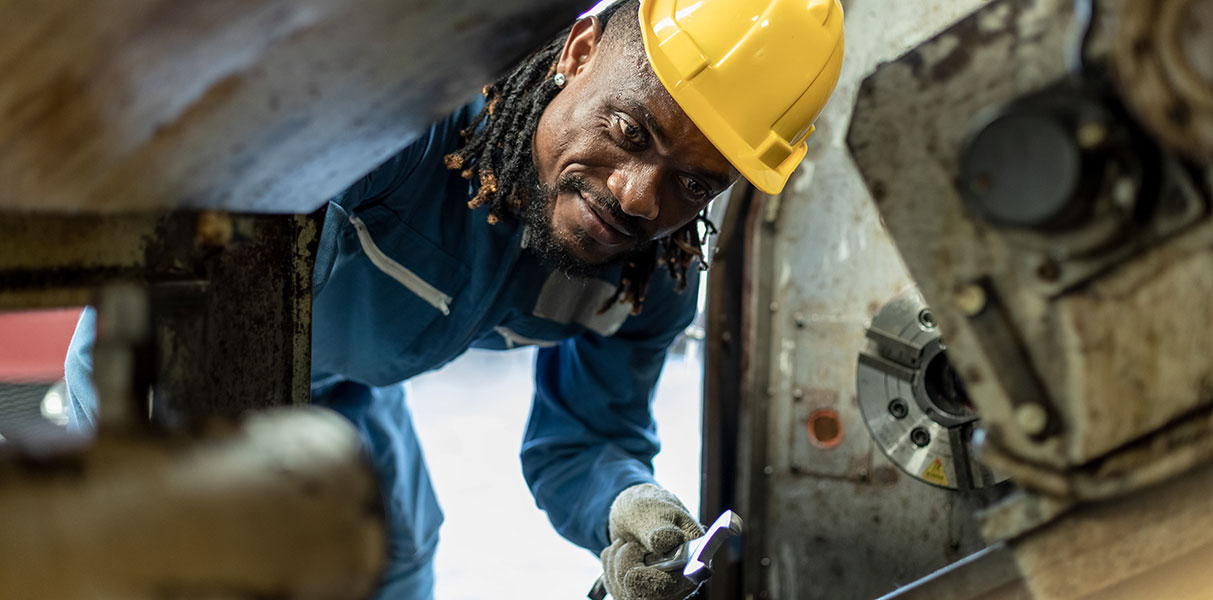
(836, 264)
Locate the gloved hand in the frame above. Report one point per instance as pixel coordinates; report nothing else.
(646, 519)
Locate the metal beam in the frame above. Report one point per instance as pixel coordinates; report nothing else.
(246, 105)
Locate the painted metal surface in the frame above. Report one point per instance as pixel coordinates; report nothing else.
(247, 105)
(846, 523)
(837, 519)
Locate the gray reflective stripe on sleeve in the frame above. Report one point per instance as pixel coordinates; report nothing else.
(512, 339)
(399, 272)
(573, 300)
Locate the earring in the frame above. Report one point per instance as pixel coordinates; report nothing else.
(558, 79)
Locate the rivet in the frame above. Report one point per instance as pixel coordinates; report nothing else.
(1091, 135)
(1032, 418)
(971, 300)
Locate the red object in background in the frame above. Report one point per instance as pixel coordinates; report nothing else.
(33, 344)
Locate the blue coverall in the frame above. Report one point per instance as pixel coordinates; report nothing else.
(407, 278)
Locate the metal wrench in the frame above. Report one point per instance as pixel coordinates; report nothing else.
(693, 558)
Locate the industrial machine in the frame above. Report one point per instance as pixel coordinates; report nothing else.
(1024, 408)
(964, 355)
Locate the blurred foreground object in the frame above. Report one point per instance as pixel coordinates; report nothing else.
(138, 140)
(261, 105)
(283, 505)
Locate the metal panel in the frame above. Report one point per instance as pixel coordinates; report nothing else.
(249, 105)
(838, 519)
(1136, 327)
(846, 523)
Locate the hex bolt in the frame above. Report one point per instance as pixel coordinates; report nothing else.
(898, 408)
(1032, 418)
(768, 470)
(926, 318)
(971, 299)
(920, 436)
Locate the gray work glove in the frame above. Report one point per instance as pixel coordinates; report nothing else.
(646, 519)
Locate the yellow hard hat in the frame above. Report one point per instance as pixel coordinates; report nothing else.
(752, 74)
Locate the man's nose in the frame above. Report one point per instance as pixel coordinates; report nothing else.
(635, 186)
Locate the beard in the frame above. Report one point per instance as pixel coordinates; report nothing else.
(556, 253)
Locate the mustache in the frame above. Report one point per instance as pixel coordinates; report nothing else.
(604, 200)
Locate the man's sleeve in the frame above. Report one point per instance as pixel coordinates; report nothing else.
(78, 374)
(591, 432)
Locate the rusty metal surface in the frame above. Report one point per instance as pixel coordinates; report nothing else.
(246, 342)
(1120, 356)
(230, 295)
(248, 105)
(282, 505)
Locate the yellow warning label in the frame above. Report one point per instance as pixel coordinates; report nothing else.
(934, 473)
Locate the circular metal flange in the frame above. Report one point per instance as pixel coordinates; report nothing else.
(913, 402)
(1163, 65)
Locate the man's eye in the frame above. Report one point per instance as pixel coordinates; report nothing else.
(695, 190)
(629, 131)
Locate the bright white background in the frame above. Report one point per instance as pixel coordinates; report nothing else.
(496, 544)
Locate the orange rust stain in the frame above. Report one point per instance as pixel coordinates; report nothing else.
(825, 428)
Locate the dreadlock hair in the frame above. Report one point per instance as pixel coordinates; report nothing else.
(497, 152)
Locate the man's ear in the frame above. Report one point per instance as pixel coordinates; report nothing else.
(580, 48)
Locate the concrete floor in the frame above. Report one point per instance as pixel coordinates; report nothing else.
(496, 543)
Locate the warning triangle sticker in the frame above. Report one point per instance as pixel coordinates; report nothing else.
(934, 473)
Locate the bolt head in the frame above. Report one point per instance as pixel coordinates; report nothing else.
(927, 319)
(898, 408)
(1031, 418)
(971, 300)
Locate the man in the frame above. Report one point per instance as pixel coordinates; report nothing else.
(563, 211)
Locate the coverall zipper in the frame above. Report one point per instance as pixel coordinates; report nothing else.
(399, 272)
